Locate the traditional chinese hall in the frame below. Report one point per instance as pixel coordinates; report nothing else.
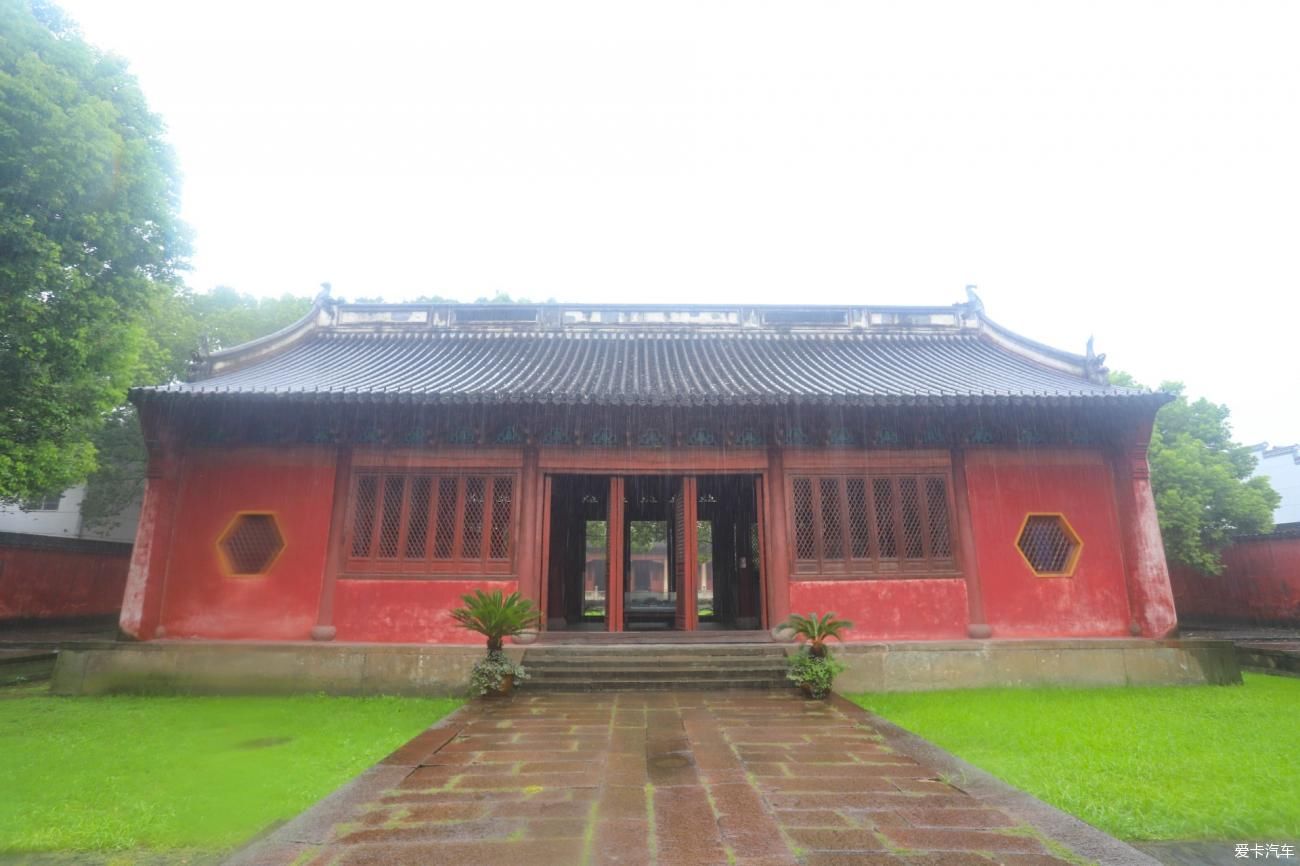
(639, 469)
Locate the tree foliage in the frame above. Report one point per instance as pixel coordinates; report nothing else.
(90, 242)
(181, 324)
(498, 298)
(190, 322)
(1201, 480)
(643, 535)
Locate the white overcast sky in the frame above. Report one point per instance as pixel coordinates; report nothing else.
(1125, 169)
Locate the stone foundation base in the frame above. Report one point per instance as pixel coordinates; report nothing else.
(926, 666)
(176, 667)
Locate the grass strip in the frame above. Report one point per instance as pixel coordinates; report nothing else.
(115, 773)
(1150, 763)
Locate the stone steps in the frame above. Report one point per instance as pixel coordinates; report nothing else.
(24, 666)
(655, 668)
(585, 665)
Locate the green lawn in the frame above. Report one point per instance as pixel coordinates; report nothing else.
(1208, 762)
(114, 773)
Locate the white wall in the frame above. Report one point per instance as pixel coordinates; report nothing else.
(1282, 468)
(66, 521)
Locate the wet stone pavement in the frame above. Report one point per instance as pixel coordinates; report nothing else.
(744, 778)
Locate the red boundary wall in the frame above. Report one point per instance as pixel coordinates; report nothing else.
(1260, 584)
(47, 577)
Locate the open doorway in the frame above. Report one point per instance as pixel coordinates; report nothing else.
(651, 574)
(578, 567)
(685, 553)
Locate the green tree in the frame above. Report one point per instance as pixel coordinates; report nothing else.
(180, 325)
(90, 242)
(1201, 480)
(190, 322)
(498, 298)
(645, 534)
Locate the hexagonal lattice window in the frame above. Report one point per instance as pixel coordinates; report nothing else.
(250, 544)
(1049, 545)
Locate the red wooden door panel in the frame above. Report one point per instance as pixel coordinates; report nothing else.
(614, 580)
(687, 553)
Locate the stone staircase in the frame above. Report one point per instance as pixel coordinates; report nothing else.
(25, 665)
(655, 667)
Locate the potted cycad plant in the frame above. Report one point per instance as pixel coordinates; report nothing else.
(813, 667)
(496, 616)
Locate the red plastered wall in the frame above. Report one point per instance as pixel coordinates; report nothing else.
(200, 600)
(931, 609)
(406, 611)
(1260, 583)
(1004, 486)
(51, 584)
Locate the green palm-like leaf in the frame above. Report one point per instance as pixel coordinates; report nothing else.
(495, 616)
(816, 630)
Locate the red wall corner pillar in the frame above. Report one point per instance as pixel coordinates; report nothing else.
(324, 628)
(978, 626)
(776, 581)
(1151, 597)
(142, 599)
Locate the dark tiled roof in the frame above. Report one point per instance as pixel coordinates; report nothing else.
(1280, 531)
(679, 367)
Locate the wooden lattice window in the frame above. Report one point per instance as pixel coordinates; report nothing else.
(419, 522)
(858, 525)
(1049, 545)
(250, 544)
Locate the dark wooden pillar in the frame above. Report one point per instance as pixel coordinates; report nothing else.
(776, 561)
(614, 550)
(1151, 598)
(978, 626)
(142, 600)
(324, 628)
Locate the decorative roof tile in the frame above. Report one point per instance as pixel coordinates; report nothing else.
(648, 356)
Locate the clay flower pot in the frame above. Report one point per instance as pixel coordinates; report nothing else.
(807, 690)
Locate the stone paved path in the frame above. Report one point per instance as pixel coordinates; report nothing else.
(743, 778)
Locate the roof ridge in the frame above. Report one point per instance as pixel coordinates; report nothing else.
(648, 334)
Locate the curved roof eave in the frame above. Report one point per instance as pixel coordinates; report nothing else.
(225, 360)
